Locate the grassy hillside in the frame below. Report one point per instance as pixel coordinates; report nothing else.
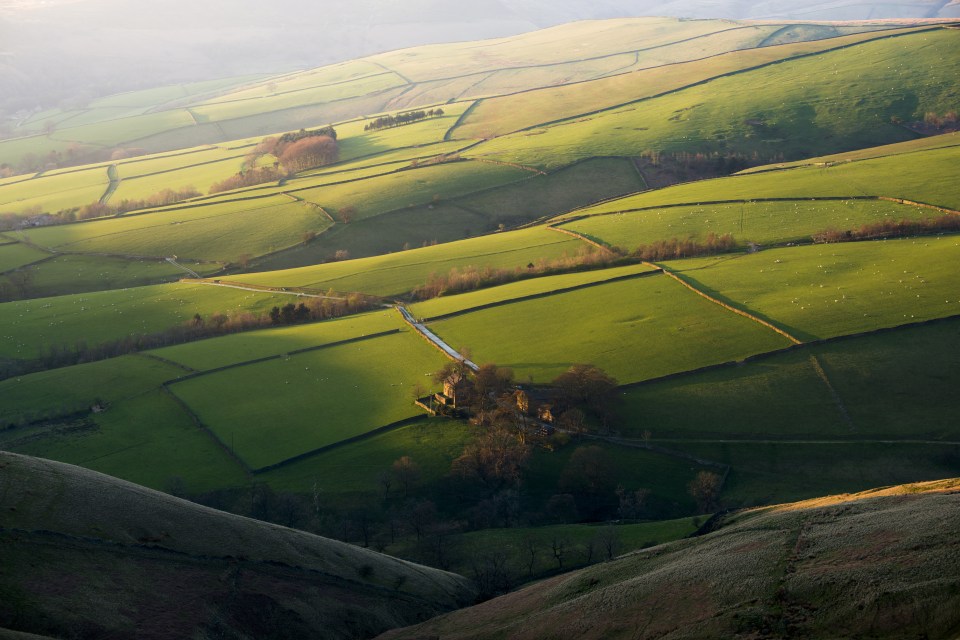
(763, 570)
(124, 559)
(797, 109)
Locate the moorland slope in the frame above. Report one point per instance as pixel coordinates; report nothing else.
(87, 555)
(880, 564)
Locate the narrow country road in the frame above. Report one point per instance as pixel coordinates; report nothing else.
(432, 337)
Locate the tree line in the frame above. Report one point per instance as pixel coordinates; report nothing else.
(891, 229)
(409, 117)
(196, 328)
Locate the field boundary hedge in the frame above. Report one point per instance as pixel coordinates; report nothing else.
(759, 357)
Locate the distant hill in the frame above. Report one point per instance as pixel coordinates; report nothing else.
(68, 50)
(86, 555)
(880, 564)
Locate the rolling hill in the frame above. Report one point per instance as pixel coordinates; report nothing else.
(87, 554)
(845, 566)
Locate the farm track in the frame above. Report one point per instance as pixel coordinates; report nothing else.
(260, 289)
(114, 177)
(434, 339)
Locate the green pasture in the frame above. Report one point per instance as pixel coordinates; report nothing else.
(200, 177)
(356, 143)
(552, 46)
(773, 473)
(350, 473)
(821, 291)
(748, 222)
(146, 438)
(234, 109)
(377, 195)
(298, 81)
(505, 293)
(896, 386)
(221, 232)
(160, 95)
(50, 394)
(69, 274)
(398, 273)
(126, 130)
(402, 154)
(896, 149)
(501, 115)
(634, 330)
(558, 192)
(795, 109)
(15, 255)
(30, 326)
(50, 194)
(164, 162)
(276, 410)
(399, 230)
(218, 352)
(924, 176)
(512, 80)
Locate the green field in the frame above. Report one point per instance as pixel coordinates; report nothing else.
(399, 273)
(927, 177)
(504, 293)
(378, 195)
(634, 330)
(795, 109)
(31, 326)
(276, 410)
(220, 352)
(506, 114)
(558, 192)
(822, 291)
(64, 275)
(748, 222)
(217, 232)
(50, 194)
(17, 254)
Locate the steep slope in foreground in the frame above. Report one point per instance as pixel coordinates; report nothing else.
(881, 564)
(85, 555)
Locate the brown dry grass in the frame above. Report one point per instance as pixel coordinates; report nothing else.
(879, 564)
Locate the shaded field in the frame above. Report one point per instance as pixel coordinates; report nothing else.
(923, 176)
(796, 109)
(226, 350)
(279, 409)
(377, 195)
(748, 222)
(559, 192)
(634, 330)
(30, 327)
(398, 273)
(216, 232)
(70, 274)
(821, 291)
(896, 385)
(16, 255)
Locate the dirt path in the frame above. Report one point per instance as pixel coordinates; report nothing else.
(246, 287)
(174, 262)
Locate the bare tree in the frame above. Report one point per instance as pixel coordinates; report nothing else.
(705, 489)
(407, 473)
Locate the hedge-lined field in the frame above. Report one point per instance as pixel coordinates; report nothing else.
(634, 330)
(276, 410)
(748, 222)
(822, 291)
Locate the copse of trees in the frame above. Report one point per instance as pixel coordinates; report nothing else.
(246, 178)
(675, 248)
(409, 117)
(296, 151)
(315, 151)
